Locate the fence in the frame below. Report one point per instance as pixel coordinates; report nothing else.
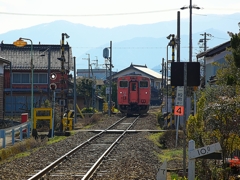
(10, 132)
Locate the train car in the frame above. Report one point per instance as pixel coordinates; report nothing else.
(133, 94)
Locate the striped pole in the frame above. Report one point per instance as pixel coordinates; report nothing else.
(173, 87)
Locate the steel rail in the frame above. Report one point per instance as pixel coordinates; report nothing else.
(64, 157)
(98, 162)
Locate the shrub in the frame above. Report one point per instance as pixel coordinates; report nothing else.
(89, 110)
(168, 139)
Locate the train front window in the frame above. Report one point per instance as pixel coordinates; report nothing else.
(123, 84)
(133, 86)
(143, 84)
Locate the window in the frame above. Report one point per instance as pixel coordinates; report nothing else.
(133, 86)
(25, 78)
(123, 84)
(16, 78)
(143, 84)
(21, 78)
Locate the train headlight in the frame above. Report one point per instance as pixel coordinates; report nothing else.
(145, 92)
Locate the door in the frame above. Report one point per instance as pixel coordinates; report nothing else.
(133, 92)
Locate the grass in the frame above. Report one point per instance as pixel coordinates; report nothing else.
(155, 138)
(20, 149)
(167, 154)
(56, 139)
(171, 154)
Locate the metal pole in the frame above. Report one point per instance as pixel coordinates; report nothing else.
(31, 83)
(54, 94)
(184, 119)
(177, 131)
(63, 97)
(205, 48)
(88, 65)
(11, 91)
(173, 87)
(110, 88)
(62, 82)
(167, 80)
(162, 78)
(178, 36)
(49, 70)
(190, 32)
(74, 91)
(166, 85)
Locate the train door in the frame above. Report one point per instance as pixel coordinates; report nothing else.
(133, 92)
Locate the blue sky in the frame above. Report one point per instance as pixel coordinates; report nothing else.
(18, 14)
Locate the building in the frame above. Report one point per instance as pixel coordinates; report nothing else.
(156, 80)
(3, 62)
(215, 54)
(94, 73)
(17, 80)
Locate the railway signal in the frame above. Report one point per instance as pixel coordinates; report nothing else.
(53, 76)
(53, 86)
(193, 73)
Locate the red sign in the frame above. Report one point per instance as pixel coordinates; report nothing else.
(179, 110)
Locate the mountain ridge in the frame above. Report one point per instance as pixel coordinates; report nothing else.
(137, 44)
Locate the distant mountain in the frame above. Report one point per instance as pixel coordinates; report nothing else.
(137, 44)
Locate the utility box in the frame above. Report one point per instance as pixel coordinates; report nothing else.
(24, 117)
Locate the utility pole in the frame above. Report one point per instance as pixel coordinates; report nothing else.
(88, 64)
(178, 36)
(62, 81)
(172, 43)
(96, 64)
(110, 84)
(204, 41)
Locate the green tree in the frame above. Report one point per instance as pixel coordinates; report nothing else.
(114, 92)
(85, 89)
(217, 118)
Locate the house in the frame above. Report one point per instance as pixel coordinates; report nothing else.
(17, 78)
(156, 80)
(215, 54)
(3, 62)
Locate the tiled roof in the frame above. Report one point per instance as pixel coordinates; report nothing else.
(20, 57)
(215, 50)
(148, 71)
(4, 60)
(143, 69)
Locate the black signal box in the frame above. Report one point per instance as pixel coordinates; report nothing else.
(177, 73)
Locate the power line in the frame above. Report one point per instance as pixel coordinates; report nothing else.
(82, 47)
(86, 15)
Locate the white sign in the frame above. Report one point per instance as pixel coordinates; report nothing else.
(162, 173)
(204, 150)
(107, 90)
(180, 96)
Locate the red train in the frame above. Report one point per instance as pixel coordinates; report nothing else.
(133, 94)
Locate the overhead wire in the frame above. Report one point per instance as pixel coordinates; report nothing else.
(112, 14)
(85, 15)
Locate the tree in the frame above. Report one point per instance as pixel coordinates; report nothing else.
(218, 114)
(114, 92)
(85, 89)
(235, 44)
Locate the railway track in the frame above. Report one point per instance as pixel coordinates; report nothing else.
(82, 161)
